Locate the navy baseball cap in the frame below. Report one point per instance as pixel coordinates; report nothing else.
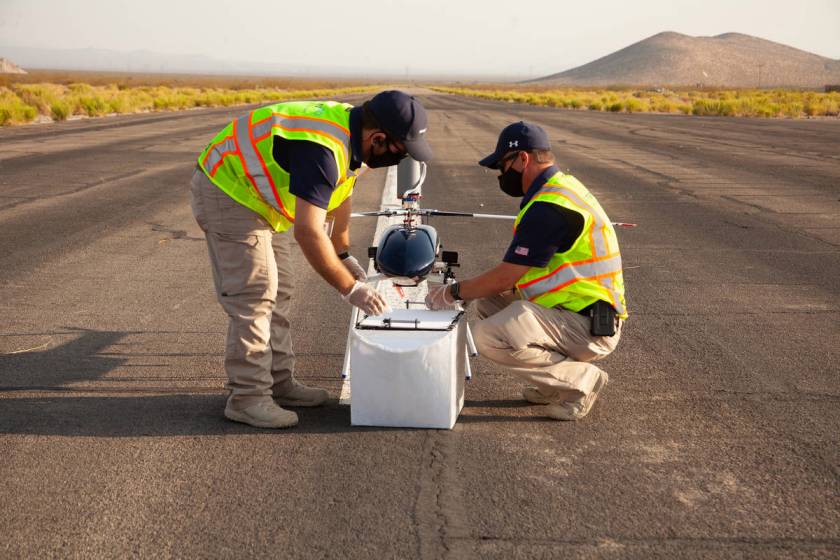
(517, 136)
(403, 118)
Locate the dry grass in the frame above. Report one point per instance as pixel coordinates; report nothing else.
(728, 103)
(128, 80)
(61, 95)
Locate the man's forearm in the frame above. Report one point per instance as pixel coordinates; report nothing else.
(341, 227)
(492, 282)
(341, 242)
(321, 254)
(482, 286)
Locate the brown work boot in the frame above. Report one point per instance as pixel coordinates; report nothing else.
(301, 395)
(577, 409)
(264, 414)
(533, 395)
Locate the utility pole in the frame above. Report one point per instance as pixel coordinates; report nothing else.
(760, 66)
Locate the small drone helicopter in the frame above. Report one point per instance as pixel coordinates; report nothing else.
(409, 252)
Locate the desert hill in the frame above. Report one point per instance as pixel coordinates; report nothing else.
(727, 60)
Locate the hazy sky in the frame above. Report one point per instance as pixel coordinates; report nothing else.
(514, 39)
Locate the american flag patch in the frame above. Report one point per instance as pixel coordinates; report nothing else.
(520, 250)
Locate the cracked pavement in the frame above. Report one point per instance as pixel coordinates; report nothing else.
(716, 438)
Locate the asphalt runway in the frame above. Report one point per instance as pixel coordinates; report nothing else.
(717, 436)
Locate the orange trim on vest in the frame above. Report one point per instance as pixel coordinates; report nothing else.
(309, 130)
(266, 173)
(219, 163)
(213, 147)
(566, 265)
(285, 116)
(587, 206)
(574, 280)
(245, 165)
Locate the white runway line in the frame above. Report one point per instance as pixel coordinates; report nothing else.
(385, 287)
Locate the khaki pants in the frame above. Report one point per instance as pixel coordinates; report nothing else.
(548, 348)
(252, 274)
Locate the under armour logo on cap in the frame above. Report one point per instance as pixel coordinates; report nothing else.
(519, 136)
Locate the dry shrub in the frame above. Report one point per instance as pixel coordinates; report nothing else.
(725, 102)
(24, 101)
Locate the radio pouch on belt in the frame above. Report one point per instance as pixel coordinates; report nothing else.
(603, 319)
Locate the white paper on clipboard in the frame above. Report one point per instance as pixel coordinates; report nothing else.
(413, 319)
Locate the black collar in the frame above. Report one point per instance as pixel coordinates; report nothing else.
(538, 183)
(355, 138)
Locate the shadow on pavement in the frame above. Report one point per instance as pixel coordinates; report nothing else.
(498, 403)
(74, 361)
(138, 416)
(168, 415)
(171, 415)
(81, 412)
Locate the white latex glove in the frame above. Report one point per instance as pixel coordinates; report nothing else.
(352, 264)
(439, 298)
(367, 299)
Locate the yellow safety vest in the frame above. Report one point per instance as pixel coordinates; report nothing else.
(239, 159)
(591, 269)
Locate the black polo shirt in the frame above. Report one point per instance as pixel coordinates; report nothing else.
(311, 167)
(545, 229)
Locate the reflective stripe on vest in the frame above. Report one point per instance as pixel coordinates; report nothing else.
(306, 124)
(243, 144)
(217, 154)
(595, 269)
(593, 259)
(597, 238)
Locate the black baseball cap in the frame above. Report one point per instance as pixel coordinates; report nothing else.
(403, 118)
(517, 136)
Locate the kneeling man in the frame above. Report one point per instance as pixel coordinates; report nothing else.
(556, 302)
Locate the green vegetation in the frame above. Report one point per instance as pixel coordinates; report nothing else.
(61, 95)
(726, 103)
(13, 109)
(23, 101)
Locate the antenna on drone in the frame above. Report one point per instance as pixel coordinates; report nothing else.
(410, 177)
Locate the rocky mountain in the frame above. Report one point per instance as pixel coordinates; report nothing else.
(727, 60)
(9, 67)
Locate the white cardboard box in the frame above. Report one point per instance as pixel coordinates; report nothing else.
(409, 375)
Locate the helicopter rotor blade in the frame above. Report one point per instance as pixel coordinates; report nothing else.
(466, 214)
(495, 216)
(376, 213)
(426, 212)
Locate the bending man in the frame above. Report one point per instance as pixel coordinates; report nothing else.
(289, 166)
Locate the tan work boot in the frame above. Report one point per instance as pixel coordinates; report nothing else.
(575, 410)
(532, 395)
(301, 395)
(264, 414)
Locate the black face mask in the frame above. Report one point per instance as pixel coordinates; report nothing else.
(511, 182)
(387, 159)
(384, 160)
